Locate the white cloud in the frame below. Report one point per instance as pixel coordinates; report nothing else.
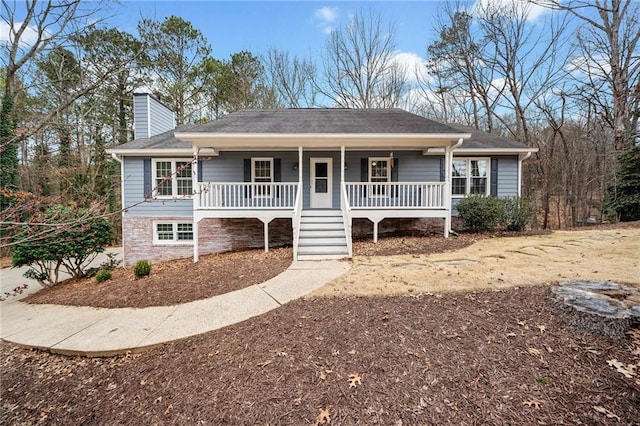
(413, 64)
(7, 34)
(532, 11)
(325, 17)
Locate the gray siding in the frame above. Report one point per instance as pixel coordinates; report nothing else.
(412, 165)
(134, 193)
(507, 176)
(150, 117)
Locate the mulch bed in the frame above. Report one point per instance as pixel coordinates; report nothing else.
(480, 358)
(172, 282)
(428, 243)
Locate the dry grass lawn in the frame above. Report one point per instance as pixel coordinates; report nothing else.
(498, 263)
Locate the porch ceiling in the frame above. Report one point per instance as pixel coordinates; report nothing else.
(238, 141)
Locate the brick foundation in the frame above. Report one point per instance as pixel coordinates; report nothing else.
(214, 236)
(363, 228)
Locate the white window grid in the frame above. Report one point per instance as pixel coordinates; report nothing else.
(262, 172)
(469, 174)
(379, 172)
(173, 178)
(173, 232)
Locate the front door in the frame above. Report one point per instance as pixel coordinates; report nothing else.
(321, 183)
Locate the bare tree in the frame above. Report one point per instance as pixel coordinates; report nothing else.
(609, 61)
(291, 79)
(358, 66)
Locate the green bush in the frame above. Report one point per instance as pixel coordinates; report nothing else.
(142, 268)
(517, 213)
(64, 237)
(103, 275)
(480, 213)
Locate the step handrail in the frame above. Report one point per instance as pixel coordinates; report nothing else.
(346, 217)
(297, 217)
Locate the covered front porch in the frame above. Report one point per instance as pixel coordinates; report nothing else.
(323, 189)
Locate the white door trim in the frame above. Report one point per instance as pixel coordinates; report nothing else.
(321, 200)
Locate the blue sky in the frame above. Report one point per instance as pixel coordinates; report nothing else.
(299, 27)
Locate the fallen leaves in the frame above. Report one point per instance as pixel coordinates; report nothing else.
(324, 417)
(354, 380)
(532, 403)
(628, 371)
(600, 409)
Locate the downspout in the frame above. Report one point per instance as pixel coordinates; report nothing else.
(448, 164)
(121, 161)
(521, 158)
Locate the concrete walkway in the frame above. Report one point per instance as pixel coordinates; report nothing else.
(87, 331)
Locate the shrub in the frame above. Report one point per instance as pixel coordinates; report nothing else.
(103, 275)
(142, 268)
(480, 213)
(64, 237)
(517, 213)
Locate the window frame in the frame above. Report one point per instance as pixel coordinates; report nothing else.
(268, 193)
(174, 229)
(174, 178)
(468, 176)
(384, 193)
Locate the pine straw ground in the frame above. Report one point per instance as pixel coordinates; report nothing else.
(493, 357)
(500, 357)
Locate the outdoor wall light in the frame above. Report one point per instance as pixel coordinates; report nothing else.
(296, 165)
(346, 165)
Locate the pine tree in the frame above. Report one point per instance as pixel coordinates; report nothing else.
(626, 196)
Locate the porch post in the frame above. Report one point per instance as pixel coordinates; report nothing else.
(375, 231)
(196, 253)
(300, 166)
(196, 202)
(447, 189)
(341, 166)
(266, 236)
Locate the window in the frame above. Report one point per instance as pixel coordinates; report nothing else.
(172, 178)
(469, 176)
(379, 172)
(262, 172)
(173, 233)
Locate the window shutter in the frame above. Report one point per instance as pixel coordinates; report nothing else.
(277, 174)
(199, 171)
(247, 176)
(394, 177)
(364, 174)
(146, 170)
(443, 168)
(494, 177)
(277, 170)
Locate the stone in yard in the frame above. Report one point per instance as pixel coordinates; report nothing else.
(598, 307)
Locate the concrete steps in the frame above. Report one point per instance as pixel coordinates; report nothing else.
(322, 235)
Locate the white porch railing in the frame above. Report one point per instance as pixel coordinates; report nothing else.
(246, 195)
(346, 217)
(396, 195)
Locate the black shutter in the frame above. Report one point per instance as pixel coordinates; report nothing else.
(443, 168)
(364, 174)
(199, 170)
(247, 176)
(146, 170)
(494, 177)
(394, 177)
(277, 174)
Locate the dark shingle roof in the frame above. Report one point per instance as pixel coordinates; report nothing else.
(322, 120)
(164, 140)
(484, 140)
